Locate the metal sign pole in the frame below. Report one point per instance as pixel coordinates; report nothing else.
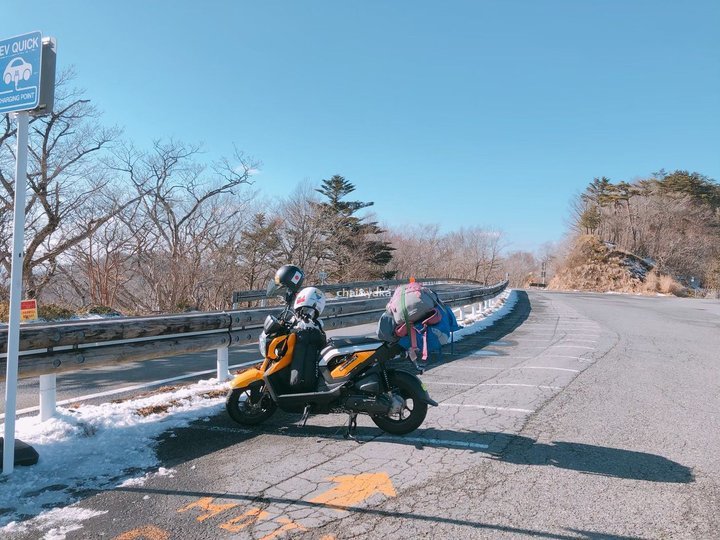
(16, 275)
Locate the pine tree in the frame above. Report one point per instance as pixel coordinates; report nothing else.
(350, 244)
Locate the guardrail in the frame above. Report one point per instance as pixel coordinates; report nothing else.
(257, 294)
(49, 349)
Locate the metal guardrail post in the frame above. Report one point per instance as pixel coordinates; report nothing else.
(48, 402)
(223, 374)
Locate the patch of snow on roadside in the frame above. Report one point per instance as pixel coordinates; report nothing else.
(134, 482)
(503, 304)
(95, 447)
(60, 521)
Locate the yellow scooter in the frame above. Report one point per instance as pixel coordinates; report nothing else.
(351, 375)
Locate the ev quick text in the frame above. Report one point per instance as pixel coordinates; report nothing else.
(17, 47)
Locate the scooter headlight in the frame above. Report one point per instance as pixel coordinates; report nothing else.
(263, 343)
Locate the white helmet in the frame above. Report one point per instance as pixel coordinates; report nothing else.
(310, 297)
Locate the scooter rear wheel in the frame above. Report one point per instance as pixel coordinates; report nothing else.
(410, 416)
(249, 406)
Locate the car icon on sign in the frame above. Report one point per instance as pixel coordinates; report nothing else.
(18, 69)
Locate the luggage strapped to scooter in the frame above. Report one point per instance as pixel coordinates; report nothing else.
(415, 309)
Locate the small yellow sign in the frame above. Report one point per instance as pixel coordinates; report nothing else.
(28, 310)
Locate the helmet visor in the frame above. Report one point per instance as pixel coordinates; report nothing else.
(274, 289)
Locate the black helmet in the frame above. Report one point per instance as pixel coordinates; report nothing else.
(290, 277)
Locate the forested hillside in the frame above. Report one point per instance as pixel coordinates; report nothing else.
(672, 220)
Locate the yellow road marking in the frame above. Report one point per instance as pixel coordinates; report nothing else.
(206, 503)
(288, 526)
(149, 532)
(242, 521)
(351, 490)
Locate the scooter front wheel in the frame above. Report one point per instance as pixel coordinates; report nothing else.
(249, 406)
(412, 413)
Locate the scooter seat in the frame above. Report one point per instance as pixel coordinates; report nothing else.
(352, 341)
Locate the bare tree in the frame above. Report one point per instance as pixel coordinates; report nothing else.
(71, 195)
(180, 221)
(300, 232)
(420, 251)
(522, 267)
(476, 253)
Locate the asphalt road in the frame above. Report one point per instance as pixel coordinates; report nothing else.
(576, 416)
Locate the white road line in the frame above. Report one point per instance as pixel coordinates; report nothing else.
(546, 367)
(489, 407)
(573, 347)
(561, 325)
(472, 367)
(382, 438)
(223, 429)
(438, 442)
(571, 357)
(132, 388)
(565, 328)
(542, 386)
(450, 383)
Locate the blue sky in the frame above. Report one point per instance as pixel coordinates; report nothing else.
(490, 113)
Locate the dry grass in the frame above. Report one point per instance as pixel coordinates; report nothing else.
(214, 394)
(157, 409)
(165, 407)
(159, 390)
(664, 284)
(591, 266)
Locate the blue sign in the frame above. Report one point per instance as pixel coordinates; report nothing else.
(20, 59)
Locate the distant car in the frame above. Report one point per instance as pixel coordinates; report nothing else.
(16, 70)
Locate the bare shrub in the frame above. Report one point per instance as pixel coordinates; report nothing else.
(669, 285)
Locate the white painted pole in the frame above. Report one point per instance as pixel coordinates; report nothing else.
(474, 311)
(223, 373)
(47, 396)
(16, 275)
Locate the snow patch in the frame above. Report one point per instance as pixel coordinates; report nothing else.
(57, 523)
(140, 481)
(96, 447)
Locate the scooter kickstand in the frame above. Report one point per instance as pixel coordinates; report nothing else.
(351, 427)
(305, 415)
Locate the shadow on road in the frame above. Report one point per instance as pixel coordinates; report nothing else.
(380, 513)
(592, 459)
(505, 447)
(487, 336)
